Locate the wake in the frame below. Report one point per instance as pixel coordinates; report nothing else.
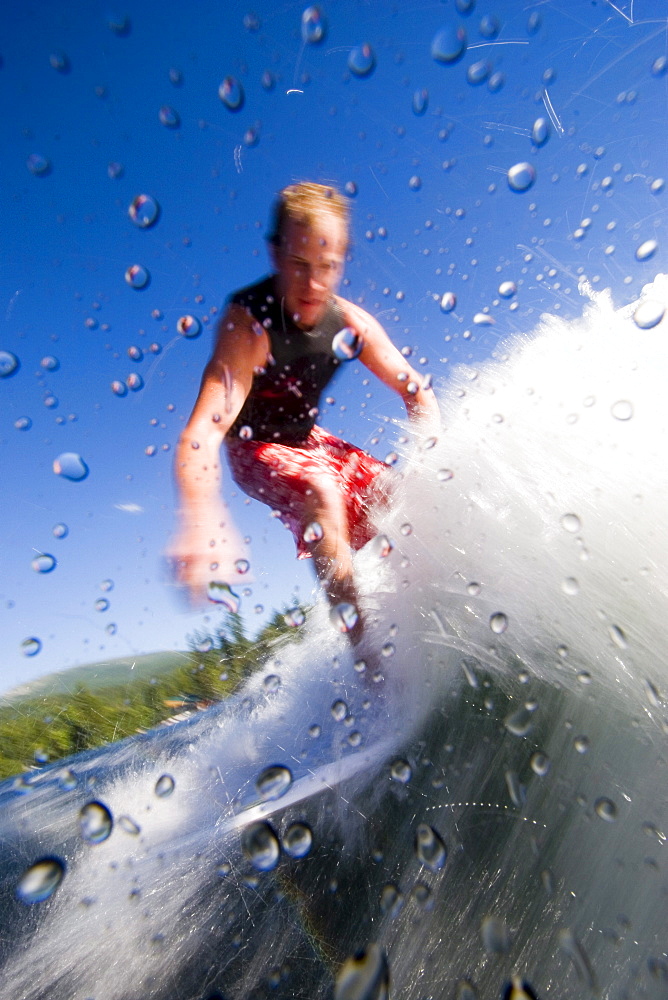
(515, 709)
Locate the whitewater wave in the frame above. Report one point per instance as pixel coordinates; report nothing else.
(512, 710)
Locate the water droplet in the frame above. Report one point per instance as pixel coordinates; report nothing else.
(273, 782)
(260, 845)
(222, 593)
(102, 604)
(570, 586)
(581, 744)
(49, 363)
(381, 546)
(9, 364)
(648, 314)
(294, 617)
(362, 61)
(134, 382)
(646, 250)
(516, 789)
(137, 276)
(164, 786)
(364, 976)
(272, 682)
(622, 409)
(495, 936)
(444, 475)
(391, 899)
(540, 132)
(31, 646)
(498, 622)
(95, 822)
(144, 211)
(347, 344)
(483, 319)
(43, 563)
(298, 840)
(571, 523)
(231, 94)
(314, 26)
(448, 302)
(119, 388)
(313, 532)
(246, 433)
(23, 423)
(168, 117)
(135, 353)
(507, 289)
(420, 101)
(478, 72)
(466, 990)
(449, 44)
(519, 722)
(344, 616)
(189, 326)
(40, 880)
(339, 710)
(38, 165)
(540, 763)
(129, 826)
(518, 989)
(570, 945)
(430, 850)
(70, 466)
(415, 183)
(111, 628)
(496, 82)
(521, 177)
(401, 771)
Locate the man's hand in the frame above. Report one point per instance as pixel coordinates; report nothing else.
(201, 555)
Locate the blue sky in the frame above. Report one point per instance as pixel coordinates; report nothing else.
(426, 144)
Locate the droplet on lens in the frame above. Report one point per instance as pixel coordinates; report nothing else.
(498, 622)
(273, 782)
(95, 822)
(137, 276)
(189, 326)
(646, 250)
(401, 771)
(540, 132)
(40, 880)
(221, 593)
(521, 177)
(38, 165)
(347, 344)
(430, 849)
(260, 845)
(168, 117)
(448, 302)
(495, 936)
(649, 314)
(164, 786)
(449, 44)
(231, 93)
(144, 211)
(344, 616)
(43, 563)
(314, 27)
(362, 60)
(9, 364)
(70, 466)
(297, 840)
(31, 646)
(622, 409)
(478, 72)
(365, 976)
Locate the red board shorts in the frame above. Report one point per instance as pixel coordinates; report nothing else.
(285, 475)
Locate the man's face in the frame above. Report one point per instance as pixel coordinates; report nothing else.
(309, 266)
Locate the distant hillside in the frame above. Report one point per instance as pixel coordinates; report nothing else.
(98, 676)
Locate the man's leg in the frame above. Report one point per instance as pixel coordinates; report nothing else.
(332, 557)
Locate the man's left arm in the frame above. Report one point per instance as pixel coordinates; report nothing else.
(388, 364)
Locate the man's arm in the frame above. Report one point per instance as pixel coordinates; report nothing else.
(382, 358)
(207, 545)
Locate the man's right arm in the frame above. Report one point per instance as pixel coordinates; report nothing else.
(207, 545)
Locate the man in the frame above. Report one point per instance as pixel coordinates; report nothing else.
(276, 351)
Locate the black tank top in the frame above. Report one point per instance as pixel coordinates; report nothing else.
(283, 401)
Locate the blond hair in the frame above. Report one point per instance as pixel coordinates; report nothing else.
(305, 203)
